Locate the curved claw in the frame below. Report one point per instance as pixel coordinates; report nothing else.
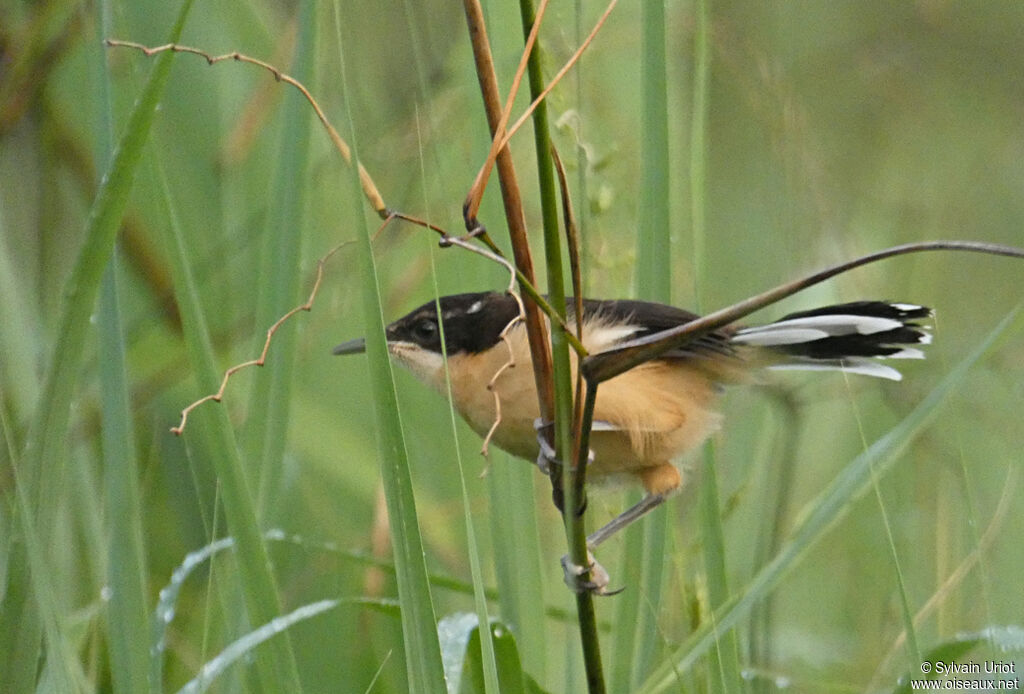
(546, 454)
(598, 582)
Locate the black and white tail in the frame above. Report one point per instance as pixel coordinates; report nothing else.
(849, 337)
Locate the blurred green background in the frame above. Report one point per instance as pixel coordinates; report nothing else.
(835, 129)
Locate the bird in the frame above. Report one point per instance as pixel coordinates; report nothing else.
(648, 418)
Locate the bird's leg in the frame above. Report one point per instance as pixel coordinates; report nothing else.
(551, 465)
(661, 481)
(599, 579)
(634, 512)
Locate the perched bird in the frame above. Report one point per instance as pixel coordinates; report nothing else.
(649, 417)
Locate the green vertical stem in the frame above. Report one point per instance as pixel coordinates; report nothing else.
(267, 427)
(489, 665)
(127, 621)
(512, 201)
(724, 669)
(646, 546)
(127, 618)
(562, 374)
(698, 145)
(126, 613)
(654, 252)
(582, 161)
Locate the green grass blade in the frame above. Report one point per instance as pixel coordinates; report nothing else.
(724, 665)
(821, 515)
(419, 626)
(654, 246)
(490, 667)
(646, 547)
(1003, 640)
(517, 559)
(485, 642)
(167, 604)
(914, 650)
(267, 427)
(509, 668)
(629, 612)
(699, 145)
(244, 646)
(724, 668)
(45, 454)
(454, 633)
(46, 438)
(211, 423)
(35, 604)
(418, 623)
(127, 622)
(19, 338)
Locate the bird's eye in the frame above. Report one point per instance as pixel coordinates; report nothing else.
(425, 330)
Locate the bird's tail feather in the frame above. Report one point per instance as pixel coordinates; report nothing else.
(850, 337)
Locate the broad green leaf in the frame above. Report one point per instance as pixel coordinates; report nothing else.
(463, 666)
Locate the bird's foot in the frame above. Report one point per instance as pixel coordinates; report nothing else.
(597, 579)
(546, 455)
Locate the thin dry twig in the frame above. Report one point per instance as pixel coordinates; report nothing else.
(493, 383)
(370, 190)
(536, 330)
(308, 306)
(369, 187)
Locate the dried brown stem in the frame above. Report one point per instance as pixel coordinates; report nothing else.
(476, 192)
(573, 243)
(535, 329)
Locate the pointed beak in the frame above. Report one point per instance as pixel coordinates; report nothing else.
(356, 346)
